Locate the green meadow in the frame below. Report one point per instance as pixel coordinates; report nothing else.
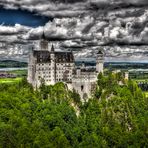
(146, 94)
(10, 80)
(19, 72)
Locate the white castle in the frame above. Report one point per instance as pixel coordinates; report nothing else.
(57, 66)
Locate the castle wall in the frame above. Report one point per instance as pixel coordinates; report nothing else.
(84, 87)
(64, 72)
(53, 72)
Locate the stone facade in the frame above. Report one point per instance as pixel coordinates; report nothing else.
(100, 62)
(54, 66)
(84, 83)
(126, 75)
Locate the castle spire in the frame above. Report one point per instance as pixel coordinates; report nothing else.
(52, 48)
(43, 42)
(43, 35)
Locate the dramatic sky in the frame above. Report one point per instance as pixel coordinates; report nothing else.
(119, 27)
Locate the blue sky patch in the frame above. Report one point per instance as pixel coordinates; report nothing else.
(11, 17)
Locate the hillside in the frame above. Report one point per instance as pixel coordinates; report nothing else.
(115, 116)
(11, 63)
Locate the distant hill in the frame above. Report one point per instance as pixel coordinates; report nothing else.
(125, 65)
(116, 65)
(11, 63)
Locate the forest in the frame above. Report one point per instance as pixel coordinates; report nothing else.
(54, 117)
(11, 63)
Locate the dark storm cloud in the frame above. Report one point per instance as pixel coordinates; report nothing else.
(85, 25)
(50, 5)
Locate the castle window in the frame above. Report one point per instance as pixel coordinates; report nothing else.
(82, 87)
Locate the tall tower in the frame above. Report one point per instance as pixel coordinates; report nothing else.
(31, 68)
(100, 62)
(43, 42)
(53, 66)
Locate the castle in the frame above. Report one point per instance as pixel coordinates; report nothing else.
(58, 66)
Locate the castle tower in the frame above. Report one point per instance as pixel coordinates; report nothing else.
(83, 65)
(100, 62)
(126, 75)
(43, 42)
(31, 68)
(53, 66)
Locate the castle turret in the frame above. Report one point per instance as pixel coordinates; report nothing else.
(78, 72)
(83, 65)
(43, 42)
(52, 48)
(53, 66)
(100, 62)
(126, 75)
(31, 68)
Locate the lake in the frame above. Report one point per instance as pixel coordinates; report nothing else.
(12, 69)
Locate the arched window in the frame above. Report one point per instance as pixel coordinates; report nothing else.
(82, 87)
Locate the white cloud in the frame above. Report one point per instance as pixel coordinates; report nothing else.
(82, 25)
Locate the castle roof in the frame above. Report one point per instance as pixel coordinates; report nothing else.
(100, 52)
(43, 56)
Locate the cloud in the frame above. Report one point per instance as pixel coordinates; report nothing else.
(83, 26)
(136, 2)
(48, 8)
(8, 30)
(58, 8)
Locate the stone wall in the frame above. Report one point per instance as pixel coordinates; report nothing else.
(84, 87)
